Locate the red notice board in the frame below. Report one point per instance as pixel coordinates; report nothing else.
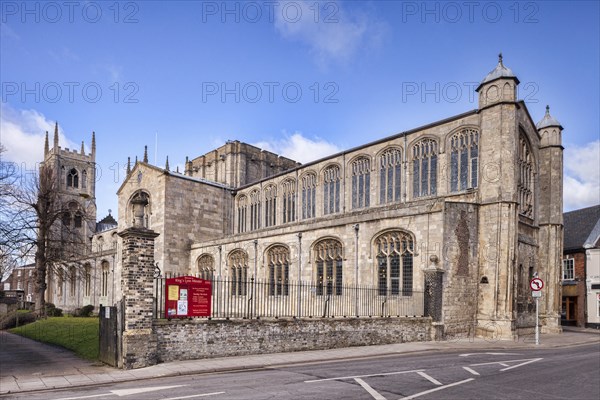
(187, 296)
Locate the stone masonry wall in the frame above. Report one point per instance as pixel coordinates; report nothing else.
(195, 339)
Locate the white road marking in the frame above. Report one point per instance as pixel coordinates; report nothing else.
(363, 376)
(471, 370)
(519, 365)
(194, 395)
(85, 397)
(376, 395)
(504, 365)
(436, 389)
(430, 379)
(128, 392)
(491, 354)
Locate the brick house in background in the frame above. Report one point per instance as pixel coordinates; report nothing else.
(581, 267)
(20, 280)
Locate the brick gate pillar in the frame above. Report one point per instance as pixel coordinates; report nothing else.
(434, 282)
(137, 280)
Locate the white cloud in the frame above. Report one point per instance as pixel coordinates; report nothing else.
(332, 34)
(300, 148)
(582, 176)
(22, 133)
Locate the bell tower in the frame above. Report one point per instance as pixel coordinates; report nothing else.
(75, 171)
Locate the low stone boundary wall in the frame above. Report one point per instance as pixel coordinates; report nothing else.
(183, 339)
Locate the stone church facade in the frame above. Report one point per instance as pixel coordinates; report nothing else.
(476, 197)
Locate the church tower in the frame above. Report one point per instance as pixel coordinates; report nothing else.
(75, 172)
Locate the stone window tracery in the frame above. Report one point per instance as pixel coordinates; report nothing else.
(425, 168)
(464, 156)
(331, 190)
(255, 210)
(270, 205)
(87, 280)
(72, 280)
(84, 179)
(526, 178)
(309, 185)
(206, 267)
(104, 279)
(242, 208)
(394, 263)
(238, 263)
(329, 262)
(390, 176)
(73, 178)
(289, 201)
(278, 262)
(361, 182)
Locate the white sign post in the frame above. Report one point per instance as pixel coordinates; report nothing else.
(536, 285)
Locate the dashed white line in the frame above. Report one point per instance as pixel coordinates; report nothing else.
(194, 395)
(519, 365)
(436, 389)
(472, 371)
(363, 376)
(430, 378)
(376, 395)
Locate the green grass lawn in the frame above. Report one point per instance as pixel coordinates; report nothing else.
(77, 334)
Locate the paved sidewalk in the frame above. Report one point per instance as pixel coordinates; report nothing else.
(27, 365)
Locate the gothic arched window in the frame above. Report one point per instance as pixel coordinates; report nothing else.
(242, 212)
(328, 262)
(361, 182)
(87, 280)
(425, 168)
(526, 178)
(73, 178)
(206, 266)
(104, 278)
(289, 200)
(254, 210)
(270, 205)
(331, 190)
(309, 185)
(238, 263)
(84, 179)
(72, 280)
(390, 176)
(464, 155)
(278, 261)
(394, 263)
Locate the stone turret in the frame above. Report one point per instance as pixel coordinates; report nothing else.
(500, 85)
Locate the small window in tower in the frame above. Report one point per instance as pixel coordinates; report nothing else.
(78, 220)
(73, 178)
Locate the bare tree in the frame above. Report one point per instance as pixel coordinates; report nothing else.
(38, 224)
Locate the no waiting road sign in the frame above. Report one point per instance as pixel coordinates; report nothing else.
(536, 284)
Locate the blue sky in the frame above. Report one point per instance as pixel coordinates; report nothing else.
(300, 78)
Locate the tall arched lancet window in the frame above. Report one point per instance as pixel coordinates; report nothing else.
(87, 280)
(425, 168)
(104, 279)
(73, 178)
(238, 264)
(289, 200)
(255, 210)
(464, 156)
(72, 280)
(84, 179)
(361, 182)
(309, 185)
(329, 262)
(395, 263)
(390, 176)
(206, 266)
(242, 213)
(526, 178)
(331, 189)
(278, 262)
(270, 205)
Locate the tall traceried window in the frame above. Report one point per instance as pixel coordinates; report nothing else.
(328, 262)
(331, 189)
(72, 280)
(255, 210)
(278, 261)
(395, 263)
(87, 280)
(61, 281)
(238, 263)
(242, 213)
(526, 178)
(104, 278)
(270, 205)
(425, 168)
(84, 179)
(289, 200)
(73, 178)
(361, 182)
(390, 176)
(464, 156)
(206, 267)
(309, 185)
